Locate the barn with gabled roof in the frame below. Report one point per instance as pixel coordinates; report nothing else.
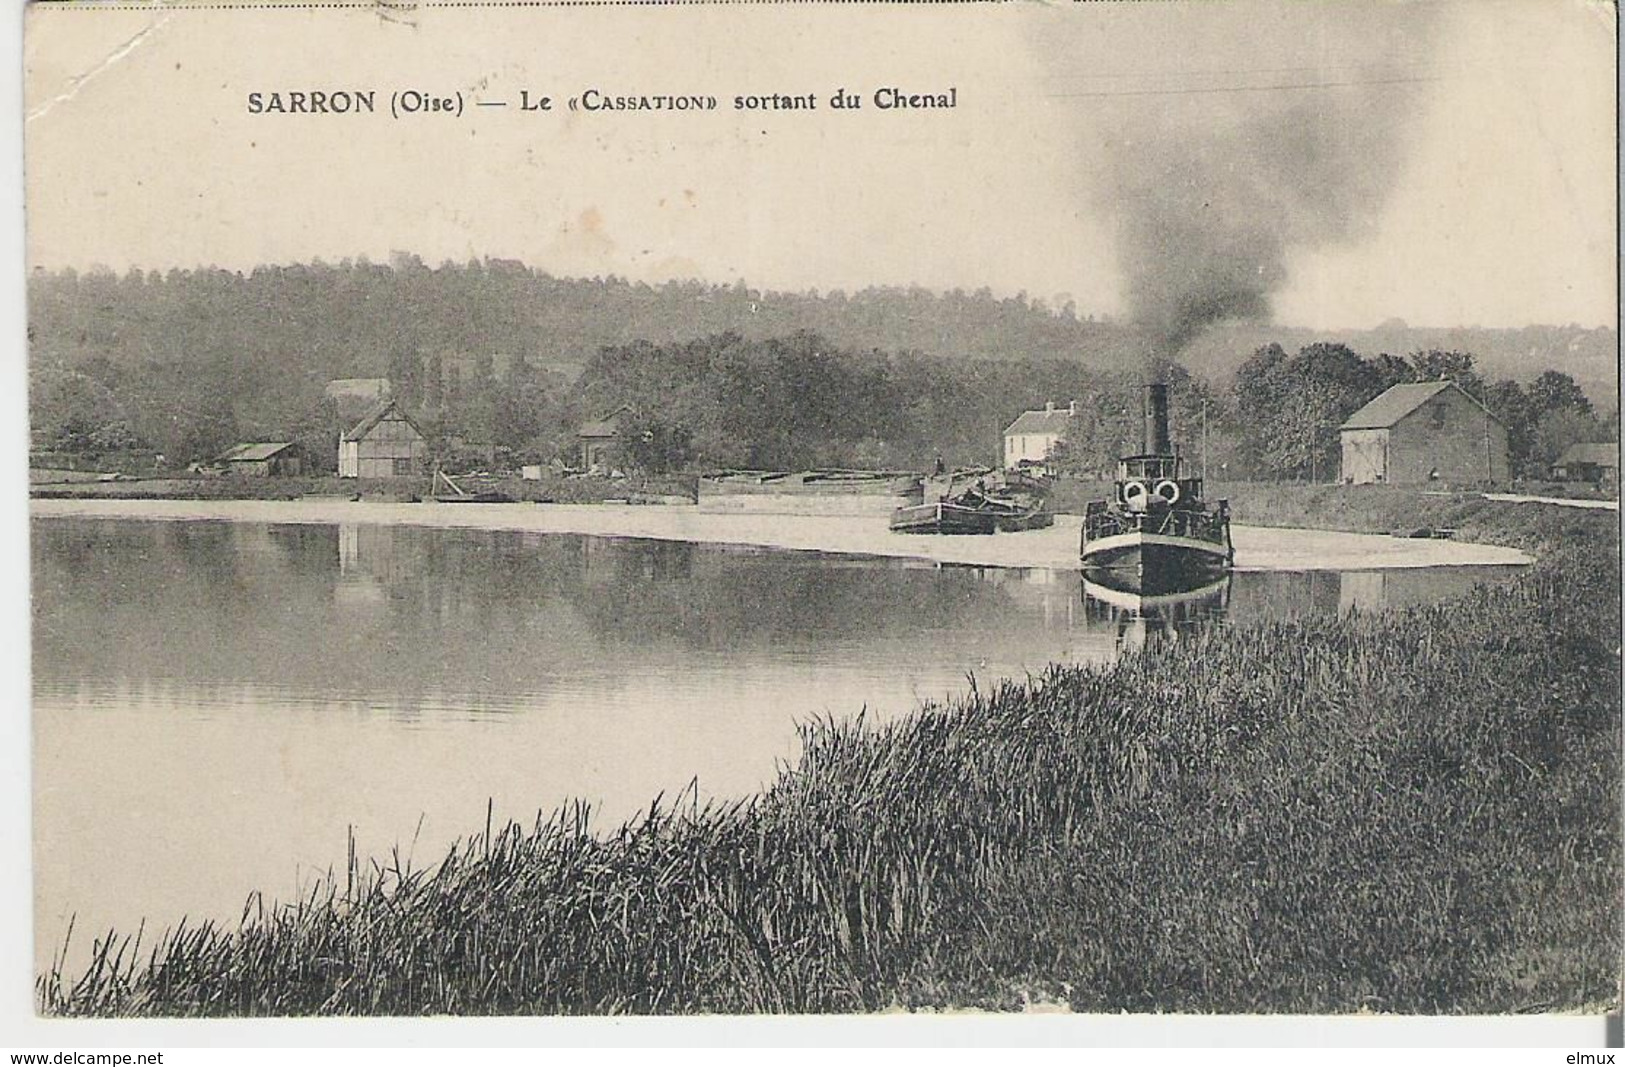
(1424, 432)
(385, 444)
(1593, 462)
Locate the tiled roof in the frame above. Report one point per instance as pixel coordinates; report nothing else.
(602, 428)
(1600, 453)
(608, 426)
(1397, 402)
(1051, 422)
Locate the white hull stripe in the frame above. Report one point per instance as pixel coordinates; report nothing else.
(1139, 540)
(1140, 602)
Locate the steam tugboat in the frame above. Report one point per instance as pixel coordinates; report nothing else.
(1156, 535)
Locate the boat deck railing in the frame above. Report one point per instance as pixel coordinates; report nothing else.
(1210, 523)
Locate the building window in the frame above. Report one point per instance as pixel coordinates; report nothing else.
(403, 467)
(1438, 416)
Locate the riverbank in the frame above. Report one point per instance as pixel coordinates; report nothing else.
(1056, 548)
(553, 489)
(1405, 812)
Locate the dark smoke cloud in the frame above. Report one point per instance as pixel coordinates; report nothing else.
(1214, 181)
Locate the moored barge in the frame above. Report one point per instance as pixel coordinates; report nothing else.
(993, 503)
(819, 492)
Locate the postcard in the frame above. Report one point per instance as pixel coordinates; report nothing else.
(1049, 510)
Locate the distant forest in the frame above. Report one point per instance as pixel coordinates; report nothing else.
(190, 362)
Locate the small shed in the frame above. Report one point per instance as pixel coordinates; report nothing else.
(596, 440)
(1034, 433)
(269, 458)
(1420, 432)
(385, 444)
(1597, 462)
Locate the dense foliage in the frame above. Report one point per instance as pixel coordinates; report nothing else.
(725, 401)
(1287, 409)
(187, 363)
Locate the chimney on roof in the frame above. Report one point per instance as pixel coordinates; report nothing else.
(1049, 407)
(1071, 407)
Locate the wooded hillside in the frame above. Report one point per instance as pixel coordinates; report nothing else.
(190, 362)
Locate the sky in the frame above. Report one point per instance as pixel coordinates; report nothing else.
(1324, 165)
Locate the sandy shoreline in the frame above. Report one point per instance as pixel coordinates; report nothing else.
(1257, 548)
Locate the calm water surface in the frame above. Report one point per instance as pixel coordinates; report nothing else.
(217, 705)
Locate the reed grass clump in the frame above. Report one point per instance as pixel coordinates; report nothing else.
(1405, 812)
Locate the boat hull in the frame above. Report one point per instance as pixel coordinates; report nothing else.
(809, 492)
(1214, 593)
(475, 498)
(1152, 564)
(812, 483)
(944, 517)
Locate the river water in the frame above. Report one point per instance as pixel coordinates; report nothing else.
(219, 705)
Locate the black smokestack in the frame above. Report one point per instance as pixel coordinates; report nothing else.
(1156, 420)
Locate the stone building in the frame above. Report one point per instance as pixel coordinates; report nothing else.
(596, 442)
(1424, 432)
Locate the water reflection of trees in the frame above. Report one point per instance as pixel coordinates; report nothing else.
(629, 590)
(405, 612)
(411, 611)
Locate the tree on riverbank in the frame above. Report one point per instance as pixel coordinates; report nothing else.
(801, 401)
(1287, 409)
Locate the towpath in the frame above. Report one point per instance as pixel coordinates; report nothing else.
(1560, 501)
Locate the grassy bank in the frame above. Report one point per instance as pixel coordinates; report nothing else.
(1408, 812)
(1357, 508)
(1388, 509)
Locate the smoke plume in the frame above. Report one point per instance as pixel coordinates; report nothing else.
(1214, 180)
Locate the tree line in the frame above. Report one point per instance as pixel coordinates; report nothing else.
(727, 401)
(1285, 410)
(190, 359)
(498, 357)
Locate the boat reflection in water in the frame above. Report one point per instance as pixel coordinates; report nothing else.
(1140, 617)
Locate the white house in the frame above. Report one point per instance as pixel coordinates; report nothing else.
(1030, 438)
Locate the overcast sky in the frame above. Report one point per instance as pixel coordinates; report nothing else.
(1465, 152)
